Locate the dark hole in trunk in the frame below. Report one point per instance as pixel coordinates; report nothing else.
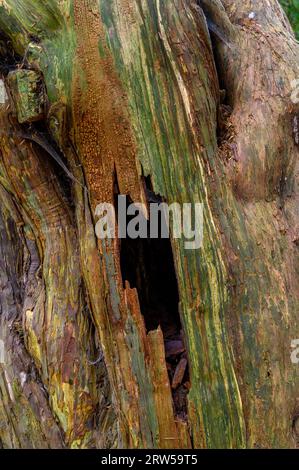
(148, 265)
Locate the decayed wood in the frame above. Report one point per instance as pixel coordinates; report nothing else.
(179, 373)
(27, 91)
(174, 347)
(133, 91)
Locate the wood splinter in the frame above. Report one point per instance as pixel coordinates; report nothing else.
(179, 373)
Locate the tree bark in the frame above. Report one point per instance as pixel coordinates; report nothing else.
(190, 102)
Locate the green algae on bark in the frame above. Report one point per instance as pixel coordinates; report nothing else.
(133, 92)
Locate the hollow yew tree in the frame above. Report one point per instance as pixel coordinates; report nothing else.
(142, 343)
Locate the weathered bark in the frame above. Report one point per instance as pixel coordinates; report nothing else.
(132, 95)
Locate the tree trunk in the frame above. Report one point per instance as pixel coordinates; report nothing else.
(188, 102)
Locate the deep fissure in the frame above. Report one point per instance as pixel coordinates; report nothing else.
(148, 265)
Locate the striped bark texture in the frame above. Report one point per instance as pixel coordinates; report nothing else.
(189, 101)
